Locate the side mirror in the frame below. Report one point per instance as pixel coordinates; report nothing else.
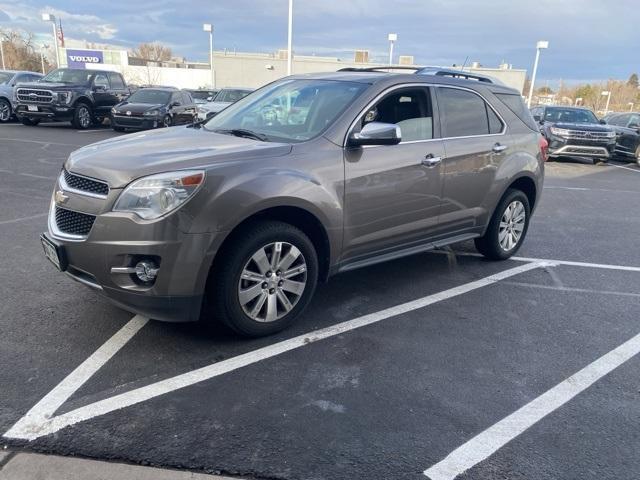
(174, 104)
(537, 118)
(209, 99)
(634, 125)
(603, 121)
(377, 133)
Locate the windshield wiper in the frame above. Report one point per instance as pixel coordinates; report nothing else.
(243, 132)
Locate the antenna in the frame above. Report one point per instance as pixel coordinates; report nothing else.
(465, 63)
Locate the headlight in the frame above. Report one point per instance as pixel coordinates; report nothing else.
(113, 110)
(157, 195)
(63, 97)
(560, 132)
(152, 113)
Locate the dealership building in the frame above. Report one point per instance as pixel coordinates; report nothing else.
(241, 69)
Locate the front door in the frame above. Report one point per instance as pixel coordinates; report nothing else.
(393, 192)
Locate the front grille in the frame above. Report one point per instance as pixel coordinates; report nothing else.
(85, 184)
(74, 223)
(128, 121)
(588, 136)
(34, 95)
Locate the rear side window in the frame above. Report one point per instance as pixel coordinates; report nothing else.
(116, 80)
(517, 106)
(466, 114)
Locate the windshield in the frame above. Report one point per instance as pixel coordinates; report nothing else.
(230, 96)
(569, 115)
(5, 77)
(68, 75)
(201, 96)
(148, 95)
(290, 110)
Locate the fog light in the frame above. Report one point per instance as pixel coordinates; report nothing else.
(146, 271)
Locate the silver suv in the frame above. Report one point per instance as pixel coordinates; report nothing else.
(238, 218)
(8, 81)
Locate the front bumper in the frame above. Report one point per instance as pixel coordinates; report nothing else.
(563, 147)
(48, 111)
(136, 123)
(117, 240)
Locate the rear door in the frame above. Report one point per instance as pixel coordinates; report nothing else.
(393, 192)
(118, 87)
(475, 143)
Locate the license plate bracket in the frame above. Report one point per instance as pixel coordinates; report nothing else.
(54, 253)
(32, 108)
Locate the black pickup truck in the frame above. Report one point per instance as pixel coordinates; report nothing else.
(575, 132)
(83, 97)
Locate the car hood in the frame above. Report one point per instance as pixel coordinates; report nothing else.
(586, 127)
(137, 107)
(215, 106)
(48, 85)
(120, 160)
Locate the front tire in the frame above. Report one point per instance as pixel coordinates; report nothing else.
(167, 121)
(82, 117)
(507, 228)
(5, 111)
(264, 280)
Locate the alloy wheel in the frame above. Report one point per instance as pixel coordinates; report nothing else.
(5, 111)
(84, 117)
(272, 282)
(512, 225)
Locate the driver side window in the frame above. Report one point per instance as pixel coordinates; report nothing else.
(101, 81)
(409, 108)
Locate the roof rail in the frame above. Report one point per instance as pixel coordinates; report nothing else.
(379, 69)
(449, 72)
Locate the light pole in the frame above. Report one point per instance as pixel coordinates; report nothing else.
(207, 27)
(542, 44)
(290, 39)
(47, 17)
(606, 93)
(392, 39)
(2, 53)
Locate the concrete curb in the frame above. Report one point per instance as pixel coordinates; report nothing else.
(32, 466)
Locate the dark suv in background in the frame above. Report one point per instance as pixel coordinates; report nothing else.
(627, 128)
(575, 132)
(83, 97)
(236, 220)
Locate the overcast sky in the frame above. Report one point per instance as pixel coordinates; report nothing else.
(589, 39)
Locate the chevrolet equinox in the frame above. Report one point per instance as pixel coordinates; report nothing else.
(237, 219)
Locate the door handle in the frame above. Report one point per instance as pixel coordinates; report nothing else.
(431, 161)
(499, 148)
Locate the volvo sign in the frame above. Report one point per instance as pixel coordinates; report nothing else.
(80, 58)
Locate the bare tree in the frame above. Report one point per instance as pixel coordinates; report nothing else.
(20, 51)
(153, 52)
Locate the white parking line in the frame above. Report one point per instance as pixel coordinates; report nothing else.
(495, 437)
(40, 143)
(40, 421)
(16, 220)
(626, 168)
(584, 189)
(93, 131)
(42, 412)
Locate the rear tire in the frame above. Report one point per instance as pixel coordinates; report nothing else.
(82, 117)
(29, 122)
(5, 110)
(248, 290)
(507, 230)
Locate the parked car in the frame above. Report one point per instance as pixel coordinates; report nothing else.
(152, 108)
(8, 81)
(83, 97)
(238, 218)
(627, 128)
(222, 100)
(575, 132)
(202, 95)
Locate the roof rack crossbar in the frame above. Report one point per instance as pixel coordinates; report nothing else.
(379, 69)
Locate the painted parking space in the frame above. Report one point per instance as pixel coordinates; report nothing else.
(439, 348)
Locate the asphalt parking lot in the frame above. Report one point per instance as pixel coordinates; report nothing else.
(430, 365)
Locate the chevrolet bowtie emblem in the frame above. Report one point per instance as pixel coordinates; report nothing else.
(60, 197)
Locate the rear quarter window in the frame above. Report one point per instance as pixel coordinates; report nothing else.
(515, 103)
